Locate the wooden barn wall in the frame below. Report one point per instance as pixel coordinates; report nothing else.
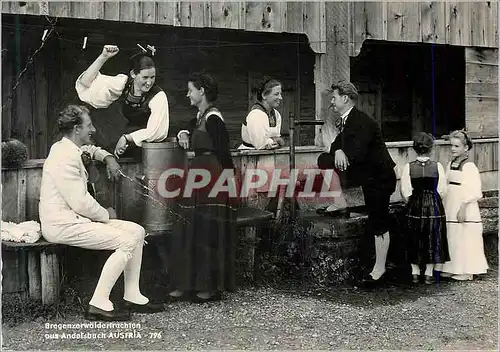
(454, 23)
(481, 92)
(48, 85)
(262, 16)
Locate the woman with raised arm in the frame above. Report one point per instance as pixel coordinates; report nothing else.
(143, 103)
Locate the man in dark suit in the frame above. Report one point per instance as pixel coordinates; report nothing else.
(359, 155)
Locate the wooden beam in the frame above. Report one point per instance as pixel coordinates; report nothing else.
(335, 64)
(49, 269)
(34, 276)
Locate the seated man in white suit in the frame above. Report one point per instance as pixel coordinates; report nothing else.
(70, 215)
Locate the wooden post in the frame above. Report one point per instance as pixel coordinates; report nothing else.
(335, 64)
(49, 265)
(34, 277)
(251, 238)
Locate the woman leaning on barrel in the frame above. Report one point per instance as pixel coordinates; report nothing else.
(203, 247)
(262, 126)
(143, 103)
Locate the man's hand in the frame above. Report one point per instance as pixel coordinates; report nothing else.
(278, 140)
(184, 140)
(121, 146)
(112, 213)
(108, 51)
(341, 161)
(112, 168)
(461, 213)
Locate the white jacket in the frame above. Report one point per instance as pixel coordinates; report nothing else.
(63, 195)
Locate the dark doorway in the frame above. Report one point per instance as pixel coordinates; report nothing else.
(409, 88)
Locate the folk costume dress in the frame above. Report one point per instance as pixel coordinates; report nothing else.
(465, 239)
(423, 182)
(259, 126)
(203, 243)
(147, 115)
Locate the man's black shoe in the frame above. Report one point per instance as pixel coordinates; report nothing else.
(94, 313)
(144, 308)
(213, 298)
(369, 280)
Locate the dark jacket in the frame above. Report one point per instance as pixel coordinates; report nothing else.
(370, 164)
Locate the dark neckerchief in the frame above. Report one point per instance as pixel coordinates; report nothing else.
(271, 115)
(458, 162)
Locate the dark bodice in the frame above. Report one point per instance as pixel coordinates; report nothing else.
(136, 109)
(424, 176)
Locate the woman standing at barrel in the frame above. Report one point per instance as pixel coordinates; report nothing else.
(203, 259)
(143, 103)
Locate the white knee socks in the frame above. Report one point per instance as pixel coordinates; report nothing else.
(381, 248)
(110, 273)
(415, 269)
(131, 276)
(429, 270)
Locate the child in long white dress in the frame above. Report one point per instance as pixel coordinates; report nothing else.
(464, 225)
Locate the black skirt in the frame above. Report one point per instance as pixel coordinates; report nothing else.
(426, 229)
(203, 243)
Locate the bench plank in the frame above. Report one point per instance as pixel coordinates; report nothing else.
(247, 216)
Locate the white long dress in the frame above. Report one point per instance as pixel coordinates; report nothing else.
(465, 239)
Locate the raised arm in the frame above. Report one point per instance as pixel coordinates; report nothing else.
(97, 89)
(90, 74)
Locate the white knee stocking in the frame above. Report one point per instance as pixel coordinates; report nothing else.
(429, 269)
(381, 248)
(131, 275)
(110, 273)
(415, 269)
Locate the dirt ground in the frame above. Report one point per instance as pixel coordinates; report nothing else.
(445, 316)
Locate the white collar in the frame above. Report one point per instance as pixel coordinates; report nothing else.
(69, 142)
(345, 114)
(422, 158)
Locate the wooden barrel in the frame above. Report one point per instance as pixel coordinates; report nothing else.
(157, 158)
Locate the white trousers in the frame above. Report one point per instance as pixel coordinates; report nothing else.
(124, 237)
(114, 235)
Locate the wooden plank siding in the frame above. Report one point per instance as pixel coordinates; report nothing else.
(454, 23)
(270, 16)
(48, 84)
(481, 92)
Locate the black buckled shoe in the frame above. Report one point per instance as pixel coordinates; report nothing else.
(94, 313)
(149, 307)
(213, 298)
(416, 279)
(429, 280)
(368, 280)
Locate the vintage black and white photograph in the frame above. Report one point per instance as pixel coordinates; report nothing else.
(249, 175)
